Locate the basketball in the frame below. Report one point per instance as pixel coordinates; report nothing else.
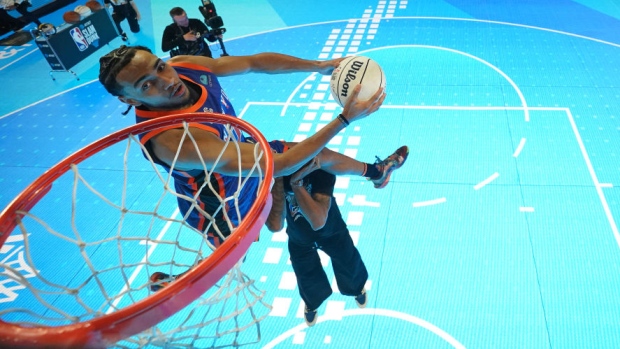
(71, 17)
(353, 71)
(94, 5)
(84, 11)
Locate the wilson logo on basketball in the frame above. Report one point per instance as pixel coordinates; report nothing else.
(351, 75)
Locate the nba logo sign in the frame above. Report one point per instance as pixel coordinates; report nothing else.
(78, 38)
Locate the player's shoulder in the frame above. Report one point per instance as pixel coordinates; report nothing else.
(201, 61)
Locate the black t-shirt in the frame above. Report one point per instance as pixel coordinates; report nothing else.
(298, 228)
(173, 38)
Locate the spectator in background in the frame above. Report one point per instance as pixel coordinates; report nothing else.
(20, 6)
(186, 36)
(124, 9)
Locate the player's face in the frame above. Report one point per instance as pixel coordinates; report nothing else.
(149, 81)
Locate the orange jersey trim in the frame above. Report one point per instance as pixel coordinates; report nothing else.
(192, 66)
(147, 137)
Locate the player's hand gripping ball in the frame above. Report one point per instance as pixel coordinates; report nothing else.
(353, 71)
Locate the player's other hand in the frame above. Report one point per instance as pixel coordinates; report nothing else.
(308, 168)
(356, 109)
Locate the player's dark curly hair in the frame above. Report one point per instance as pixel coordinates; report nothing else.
(112, 63)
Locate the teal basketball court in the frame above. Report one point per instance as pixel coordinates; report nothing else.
(500, 230)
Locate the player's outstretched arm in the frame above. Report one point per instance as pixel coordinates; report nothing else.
(225, 158)
(304, 151)
(269, 63)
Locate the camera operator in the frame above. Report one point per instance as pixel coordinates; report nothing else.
(186, 36)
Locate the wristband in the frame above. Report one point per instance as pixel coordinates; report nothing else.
(299, 183)
(344, 120)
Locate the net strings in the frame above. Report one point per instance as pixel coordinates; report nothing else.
(218, 319)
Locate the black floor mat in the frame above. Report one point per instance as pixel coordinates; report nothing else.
(17, 39)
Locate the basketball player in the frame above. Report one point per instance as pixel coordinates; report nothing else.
(313, 222)
(189, 84)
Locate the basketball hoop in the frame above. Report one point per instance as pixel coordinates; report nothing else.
(104, 328)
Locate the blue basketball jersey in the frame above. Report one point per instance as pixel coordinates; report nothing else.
(212, 99)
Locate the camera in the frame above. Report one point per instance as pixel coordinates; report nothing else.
(213, 21)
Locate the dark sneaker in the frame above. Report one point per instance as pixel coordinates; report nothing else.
(160, 280)
(361, 299)
(310, 317)
(391, 163)
(124, 37)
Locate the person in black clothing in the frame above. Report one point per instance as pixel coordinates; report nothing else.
(121, 10)
(314, 222)
(20, 6)
(186, 36)
(8, 22)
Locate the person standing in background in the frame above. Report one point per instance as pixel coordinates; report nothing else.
(20, 6)
(121, 10)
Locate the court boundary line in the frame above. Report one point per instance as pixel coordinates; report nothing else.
(458, 19)
(501, 73)
(597, 185)
(359, 19)
(18, 59)
(373, 312)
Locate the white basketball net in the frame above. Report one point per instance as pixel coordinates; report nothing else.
(91, 254)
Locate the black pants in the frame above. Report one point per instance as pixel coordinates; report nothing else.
(27, 16)
(126, 12)
(349, 269)
(9, 22)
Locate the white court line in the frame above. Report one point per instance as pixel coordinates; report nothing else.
(516, 88)
(486, 181)
(139, 268)
(429, 202)
(584, 153)
(371, 312)
(396, 106)
(607, 185)
(46, 99)
(526, 209)
(50, 97)
(519, 148)
(456, 19)
(597, 185)
(292, 95)
(18, 59)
